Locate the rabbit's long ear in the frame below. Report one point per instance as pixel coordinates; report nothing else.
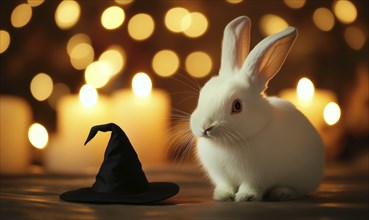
(266, 59)
(236, 45)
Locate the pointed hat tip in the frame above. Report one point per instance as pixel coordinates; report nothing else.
(97, 128)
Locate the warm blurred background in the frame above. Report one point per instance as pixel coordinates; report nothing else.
(68, 65)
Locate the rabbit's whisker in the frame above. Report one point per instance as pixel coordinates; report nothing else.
(181, 140)
(185, 81)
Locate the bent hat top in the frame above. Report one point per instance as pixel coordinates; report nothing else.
(120, 178)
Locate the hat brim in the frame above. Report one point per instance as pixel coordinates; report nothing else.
(157, 191)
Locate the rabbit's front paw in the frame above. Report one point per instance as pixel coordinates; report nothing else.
(222, 194)
(247, 197)
(246, 193)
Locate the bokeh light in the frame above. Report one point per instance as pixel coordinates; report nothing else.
(97, 74)
(141, 85)
(198, 64)
(38, 136)
(295, 4)
(81, 56)
(234, 1)
(165, 63)
(332, 113)
(115, 57)
(112, 17)
(173, 19)
(4, 40)
(41, 86)
(355, 37)
(345, 11)
(305, 89)
(88, 96)
(324, 19)
(123, 2)
(271, 24)
(21, 15)
(35, 3)
(67, 14)
(194, 24)
(59, 90)
(77, 39)
(141, 26)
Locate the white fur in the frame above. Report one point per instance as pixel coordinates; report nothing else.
(269, 147)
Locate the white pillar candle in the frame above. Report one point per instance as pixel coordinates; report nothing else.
(145, 119)
(67, 153)
(15, 152)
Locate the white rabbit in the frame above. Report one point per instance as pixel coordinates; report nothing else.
(253, 146)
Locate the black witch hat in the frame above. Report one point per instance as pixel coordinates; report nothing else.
(120, 178)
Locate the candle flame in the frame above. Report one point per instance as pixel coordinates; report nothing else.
(38, 136)
(332, 113)
(88, 96)
(305, 89)
(141, 85)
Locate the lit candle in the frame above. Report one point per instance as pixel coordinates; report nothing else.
(15, 154)
(76, 115)
(315, 104)
(143, 114)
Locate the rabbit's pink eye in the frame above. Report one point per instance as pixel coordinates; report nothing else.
(236, 106)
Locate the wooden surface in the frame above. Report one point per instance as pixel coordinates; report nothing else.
(342, 195)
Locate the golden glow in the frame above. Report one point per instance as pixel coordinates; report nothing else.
(21, 15)
(59, 90)
(41, 86)
(81, 55)
(295, 4)
(77, 39)
(173, 19)
(345, 11)
(141, 85)
(194, 24)
(97, 74)
(115, 58)
(112, 17)
(88, 96)
(198, 64)
(305, 89)
(67, 14)
(4, 41)
(123, 2)
(38, 136)
(234, 1)
(355, 38)
(271, 24)
(332, 113)
(324, 19)
(35, 3)
(165, 63)
(141, 26)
